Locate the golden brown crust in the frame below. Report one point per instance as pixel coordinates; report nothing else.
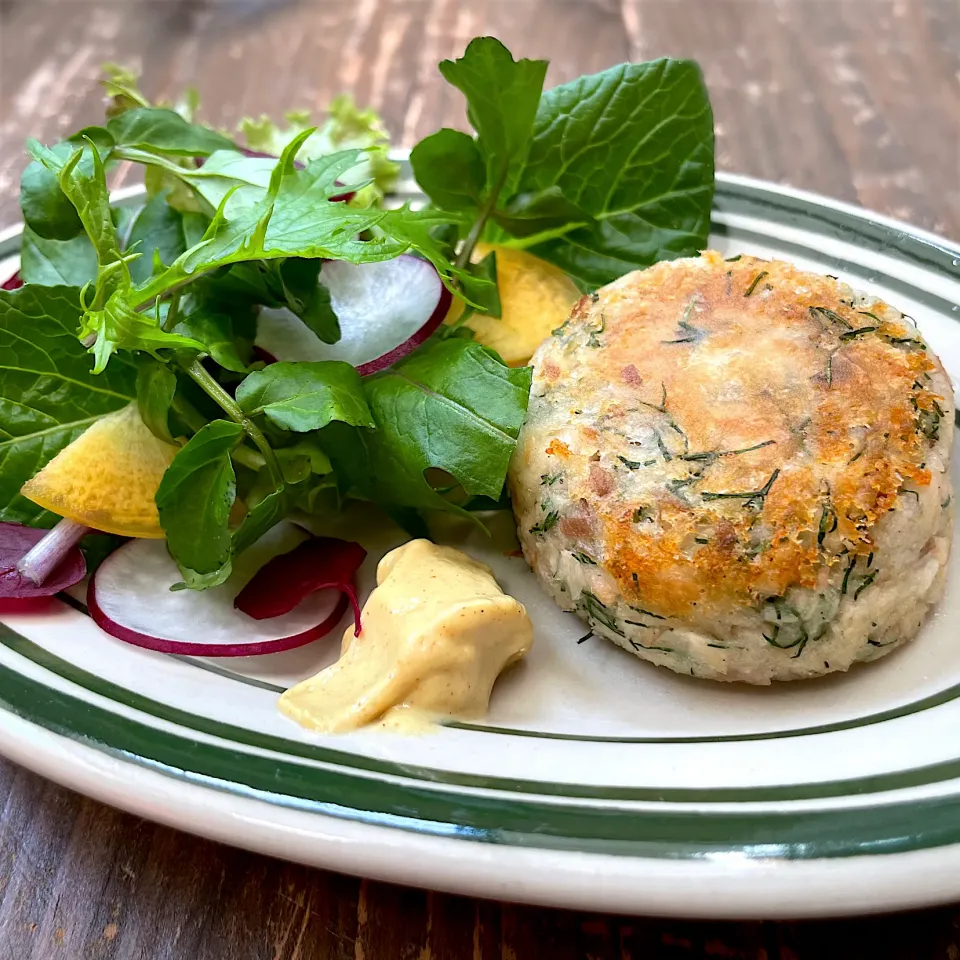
(786, 412)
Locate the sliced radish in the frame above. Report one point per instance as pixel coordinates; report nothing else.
(12, 283)
(130, 598)
(386, 310)
(16, 542)
(316, 564)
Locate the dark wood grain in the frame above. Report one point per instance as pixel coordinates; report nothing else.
(858, 99)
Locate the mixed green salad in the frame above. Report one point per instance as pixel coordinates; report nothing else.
(159, 302)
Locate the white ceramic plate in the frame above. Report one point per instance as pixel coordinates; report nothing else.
(597, 781)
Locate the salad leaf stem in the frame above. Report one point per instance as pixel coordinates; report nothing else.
(198, 373)
(476, 231)
(173, 311)
(40, 561)
(249, 458)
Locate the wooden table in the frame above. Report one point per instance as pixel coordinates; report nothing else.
(858, 99)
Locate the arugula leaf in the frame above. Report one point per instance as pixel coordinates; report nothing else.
(606, 174)
(48, 394)
(450, 169)
(305, 396)
(454, 406)
(308, 298)
(262, 517)
(156, 386)
(194, 500)
(502, 96)
(215, 333)
(633, 147)
(163, 130)
(303, 459)
(53, 263)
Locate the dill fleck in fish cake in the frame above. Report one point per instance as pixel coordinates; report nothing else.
(738, 470)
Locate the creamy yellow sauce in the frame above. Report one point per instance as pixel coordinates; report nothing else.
(437, 632)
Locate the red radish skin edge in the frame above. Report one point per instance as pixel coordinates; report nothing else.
(12, 283)
(409, 345)
(264, 356)
(160, 645)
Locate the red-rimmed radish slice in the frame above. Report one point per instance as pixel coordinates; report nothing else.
(316, 564)
(386, 310)
(12, 283)
(16, 542)
(130, 598)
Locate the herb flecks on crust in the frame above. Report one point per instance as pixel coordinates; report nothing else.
(724, 452)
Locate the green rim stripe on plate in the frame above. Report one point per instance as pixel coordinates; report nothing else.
(817, 217)
(795, 835)
(921, 776)
(894, 713)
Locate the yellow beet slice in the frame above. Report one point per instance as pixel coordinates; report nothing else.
(107, 478)
(535, 296)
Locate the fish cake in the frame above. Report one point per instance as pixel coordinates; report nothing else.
(738, 470)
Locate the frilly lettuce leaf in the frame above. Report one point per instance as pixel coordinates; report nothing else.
(347, 127)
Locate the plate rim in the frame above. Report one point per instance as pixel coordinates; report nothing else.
(729, 888)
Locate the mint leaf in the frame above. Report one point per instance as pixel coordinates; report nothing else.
(305, 396)
(194, 500)
(48, 393)
(156, 385)
(53, 263)
(502, 96)
(453, 406)
(633, 147)
(159, 129)
(450, 169)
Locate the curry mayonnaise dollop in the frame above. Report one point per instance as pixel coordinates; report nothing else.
(437, 632)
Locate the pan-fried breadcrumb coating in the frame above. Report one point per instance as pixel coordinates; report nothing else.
(732, 468)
